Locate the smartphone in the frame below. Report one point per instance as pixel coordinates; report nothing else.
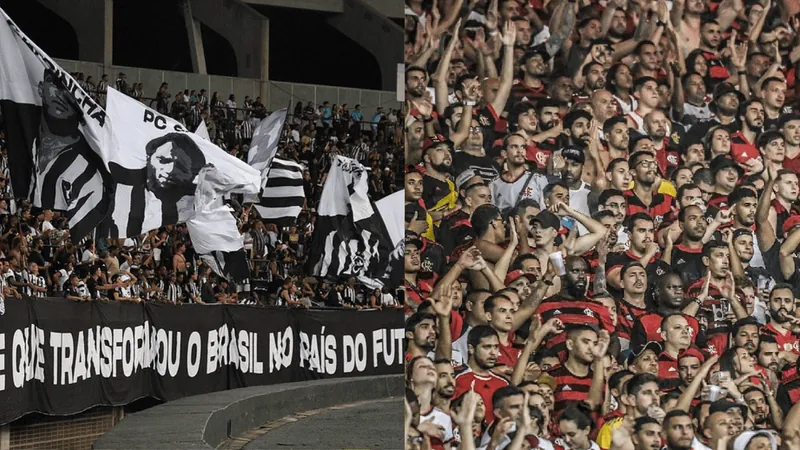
(723, 377)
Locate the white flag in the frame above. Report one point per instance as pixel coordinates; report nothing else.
(213, 227)
(265, 141)
(202, 130)
(156, 166)
(57, 136)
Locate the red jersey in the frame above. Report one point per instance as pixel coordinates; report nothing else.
(570, 389)
(538, 156)
(659, 209)
(572, 311)
(417, 294)
(484, 385)
(648, 328)
(627, 315)
(787, 342)
(792, 164)
(508, 354)
(668, 371)
(742, 150)
(715, 311)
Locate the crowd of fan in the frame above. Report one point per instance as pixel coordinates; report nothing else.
(39, 259)
(602, 216)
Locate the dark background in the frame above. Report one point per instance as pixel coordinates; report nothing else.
(152, 34)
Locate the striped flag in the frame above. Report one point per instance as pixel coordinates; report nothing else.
(350, 238)
(57, 135)
(283, 196)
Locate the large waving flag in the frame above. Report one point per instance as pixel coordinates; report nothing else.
(350, 238)
(156, 167)
(283, 197)
(57, 135)
(265, 140)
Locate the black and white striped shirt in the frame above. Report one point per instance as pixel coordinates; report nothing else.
(36, 280)
(174, 293)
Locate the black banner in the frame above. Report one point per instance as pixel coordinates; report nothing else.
(59, 357)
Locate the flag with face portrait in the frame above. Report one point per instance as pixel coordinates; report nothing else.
(57, 136)
(350, 238)
(156, 167)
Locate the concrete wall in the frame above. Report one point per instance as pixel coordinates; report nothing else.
(281, 93)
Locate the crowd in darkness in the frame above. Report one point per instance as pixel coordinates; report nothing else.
(602, 224)
(38, 258)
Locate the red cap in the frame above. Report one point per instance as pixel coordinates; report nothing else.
(693, 352)
(790, 223)
(435, 140)
(514, 275)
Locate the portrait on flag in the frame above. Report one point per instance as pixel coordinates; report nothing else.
(56, 134)
(156, 169)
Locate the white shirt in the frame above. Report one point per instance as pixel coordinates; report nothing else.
(439, 417)
(579, 201)
(505, 194)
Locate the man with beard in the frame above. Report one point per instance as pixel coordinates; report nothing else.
(576, 128)
(695, 106)
(645, 91)
(517, 182)
(416, 83)
(618, 31)
(420, 335)
(456, 229)
(789, 124)
(530, 87)
(725, 107)
(686, 258)
(640, 398)
(523, 120)
(472, 154)
(745, 249)
(768, 353)
(571, 305)
(445, 385)
(642, 198)
(669, 299)
(762, 408)
(745, 334)
(594, 77)
(678, 431)
(581, 377)
(646, 434)
(710, 38)
(423, 380)
(773, 93)
(642, 249)
(415, 137)
(743, 141)
(781, 309)
(439, 191)
(484, 349)
(657, 127)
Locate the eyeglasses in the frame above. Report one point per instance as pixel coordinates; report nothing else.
(474, 129)
(647, 164)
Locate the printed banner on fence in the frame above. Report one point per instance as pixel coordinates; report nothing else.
(113, 354)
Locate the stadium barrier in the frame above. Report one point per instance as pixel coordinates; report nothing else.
(59, 357)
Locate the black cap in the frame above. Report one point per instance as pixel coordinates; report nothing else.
(640, 349)
(547, 220)
(723, 162)
(722, 90)
(574, 154)
(539, 50)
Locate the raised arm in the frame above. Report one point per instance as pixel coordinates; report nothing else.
(507, 74)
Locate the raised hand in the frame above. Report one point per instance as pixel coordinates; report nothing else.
(469, 258)
(509, 34)
(604, 339)
(492, 16)
(443, 299)
(466, 414)
(514, 227)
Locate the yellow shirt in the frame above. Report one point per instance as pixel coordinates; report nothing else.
(606, 432)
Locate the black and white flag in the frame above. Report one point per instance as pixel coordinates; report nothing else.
(57, 135)
(156, 168)
(265, 140)
(350, 238)
(283, 196)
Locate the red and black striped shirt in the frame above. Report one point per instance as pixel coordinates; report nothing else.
(570, 389)
(658, 209)
(572, 311)
(627, 315)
